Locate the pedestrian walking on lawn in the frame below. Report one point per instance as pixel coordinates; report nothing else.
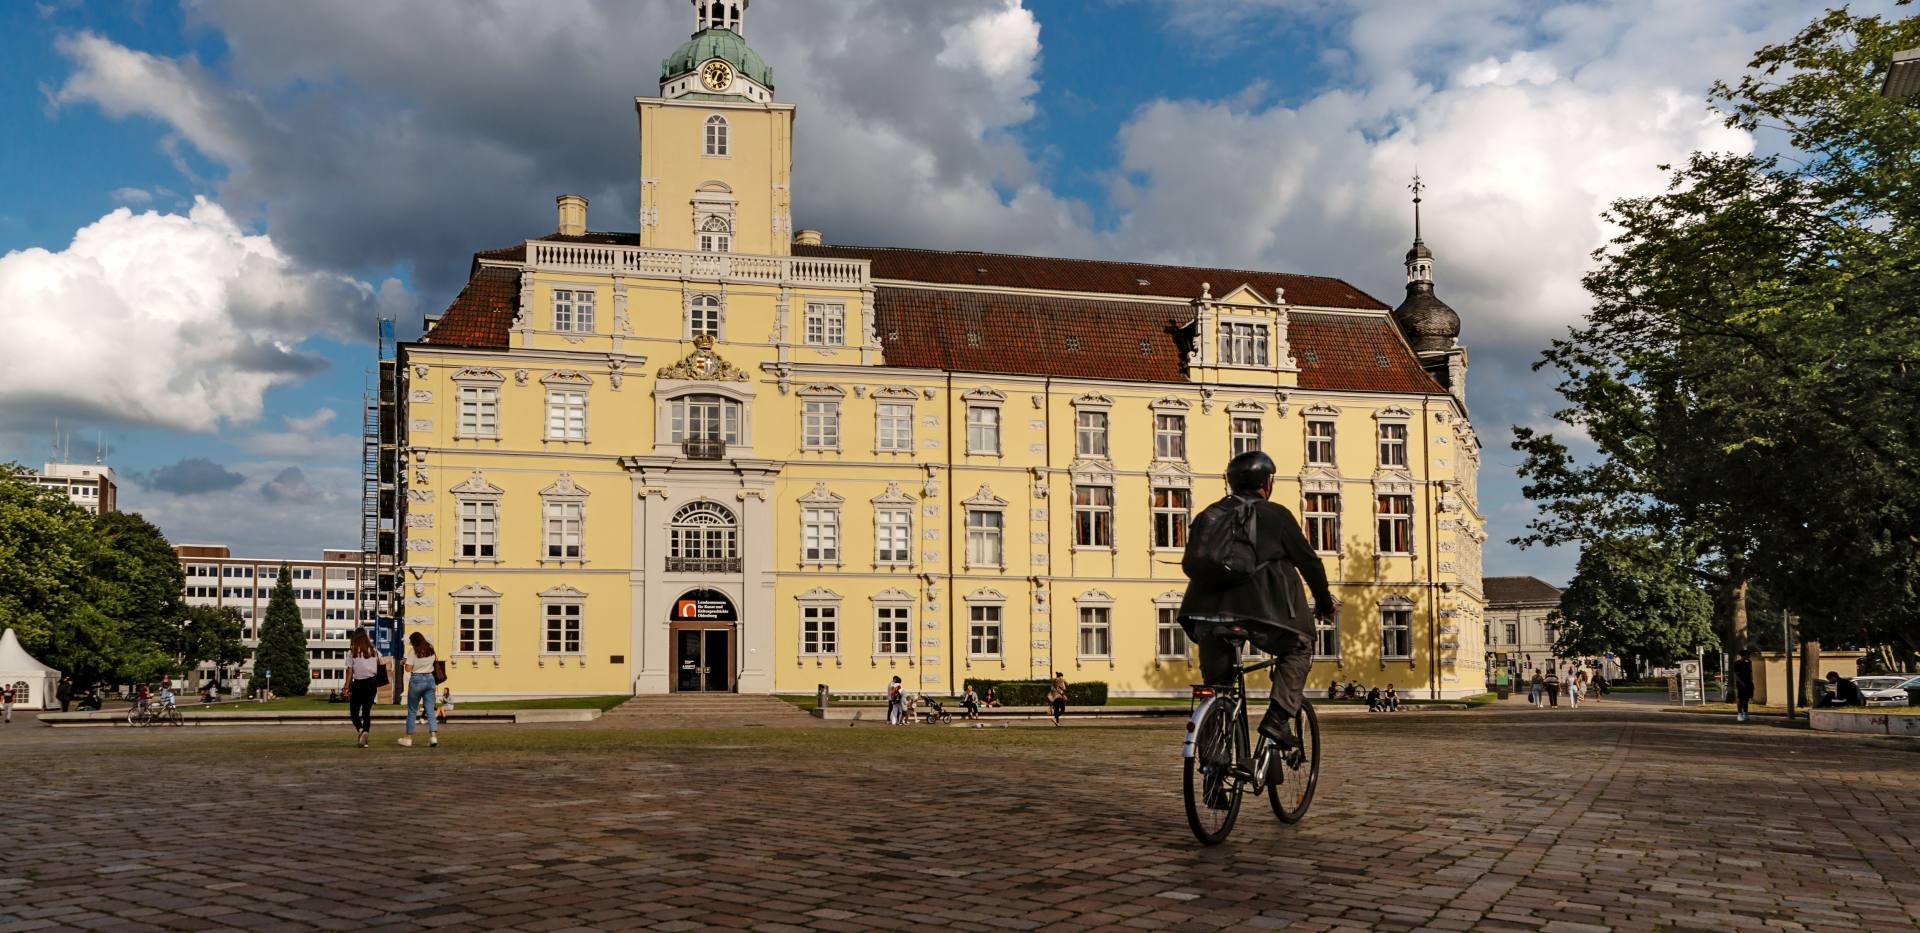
(1743, 682)
(365, 677)
(896, 702)
(1057, 697)
(422, 669)
(1553, 687)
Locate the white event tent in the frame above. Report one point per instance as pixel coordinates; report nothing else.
(33, 683)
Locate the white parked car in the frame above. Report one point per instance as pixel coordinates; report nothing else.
(1886, 689)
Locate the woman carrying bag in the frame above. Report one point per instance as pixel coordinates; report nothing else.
(424, 674)
(365, 676)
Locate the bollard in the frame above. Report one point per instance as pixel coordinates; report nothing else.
(820, 697)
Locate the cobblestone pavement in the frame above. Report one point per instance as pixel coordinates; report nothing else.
(1622, 818)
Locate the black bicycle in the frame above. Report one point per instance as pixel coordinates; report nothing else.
(1222, 763)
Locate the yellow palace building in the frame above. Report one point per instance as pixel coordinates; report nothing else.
(721, 454)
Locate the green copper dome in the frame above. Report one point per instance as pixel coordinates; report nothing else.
(723, 44)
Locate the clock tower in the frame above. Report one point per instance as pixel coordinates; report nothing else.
(716, 149)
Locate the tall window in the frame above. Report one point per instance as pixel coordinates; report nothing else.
(1246, 435)
(1323, 521)
(1396, 632)
(1513, 633)
(819, 630)
(703, 538)
(820, 425)
(1096, 632)
(1170, 437)
(561, 633)
(1320, 443)
(479, 411)
(826, 325)
(703, 318)
(1243, 344)
(820, 535)
(478, 528)
(983, 631)
(893, 426)
(476, 631)
(1393, 444)
(1093, 516)
(893, 536)
(1172, 513)
(716, 135)
(572, 311)
(1393, 517)
(716, 235)
(566, 415)
(983, 429)
(1326, 637)
(564, 521)
(1092, 432)
(1172, 638)
(892, 632)
(984, 537)
(705, 418)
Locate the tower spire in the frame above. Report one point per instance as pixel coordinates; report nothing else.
(1417, 187)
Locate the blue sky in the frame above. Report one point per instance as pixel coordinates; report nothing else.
(331, 161)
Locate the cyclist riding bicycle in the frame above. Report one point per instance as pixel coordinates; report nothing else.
(1266, 609)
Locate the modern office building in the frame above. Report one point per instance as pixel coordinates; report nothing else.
(718, 453)
(90, 486)
(326, 590)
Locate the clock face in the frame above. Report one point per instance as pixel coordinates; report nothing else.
(716, 75)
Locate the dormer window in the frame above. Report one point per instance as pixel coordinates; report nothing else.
(1243, 344)
(717, 136)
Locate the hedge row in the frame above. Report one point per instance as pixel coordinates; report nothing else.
(1034, 692)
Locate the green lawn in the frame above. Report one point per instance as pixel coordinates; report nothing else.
(191, 706)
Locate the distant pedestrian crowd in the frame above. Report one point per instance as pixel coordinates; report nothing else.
(1546, 688)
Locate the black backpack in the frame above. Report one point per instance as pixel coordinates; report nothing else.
(1220, 544)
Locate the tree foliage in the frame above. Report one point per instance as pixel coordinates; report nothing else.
(1747, 371)
(283, 643)
(210, 634)
(1631, 597)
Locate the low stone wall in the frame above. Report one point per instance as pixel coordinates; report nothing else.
(1866, 721)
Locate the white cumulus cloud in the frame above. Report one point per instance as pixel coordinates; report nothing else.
(176, 320)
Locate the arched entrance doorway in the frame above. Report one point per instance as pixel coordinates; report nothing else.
(702, 629)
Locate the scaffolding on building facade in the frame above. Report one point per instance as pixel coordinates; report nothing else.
(380, 481)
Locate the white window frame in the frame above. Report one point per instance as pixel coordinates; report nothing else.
(558, 611)
(1245, 343)
(986, 538)
(1393, 436)
(706, 315)
(688, 540)
(569, 523)
(1328, 441)
(1169, 518)
(819, 628)
(715, 234)
(573, 310)
(566, 402)
(715, 138)
(478, 411)
(893, 534)
(730, 411)
(986, 626)
(1312, 517)
(1240, 441)
(1399, 612)
(825, 324)
(1326, 638)
(893, 612)
(1093, 510)
(819, 424)
(483, 617)
(482, 523)
(893, 426)
(820, 534)
(983, 424)
(1091, 437)
(1093, 619)
(1167, 628)
(1169, 435)
(1384, 519)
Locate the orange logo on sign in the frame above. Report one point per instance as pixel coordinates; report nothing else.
(686, 609)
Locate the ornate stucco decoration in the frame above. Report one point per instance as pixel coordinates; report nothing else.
(476, 485)
(1246, 407)
(563, 488)
(985, 499)
(476, 591)
(894, 495)
(563, 591)
(821, 495)
(703, 365)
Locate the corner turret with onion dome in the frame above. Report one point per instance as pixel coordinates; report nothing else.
(1430, 326)
(716, 64)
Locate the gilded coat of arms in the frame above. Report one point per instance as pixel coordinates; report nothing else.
(703, 364)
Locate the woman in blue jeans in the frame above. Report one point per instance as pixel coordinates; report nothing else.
(420, 688)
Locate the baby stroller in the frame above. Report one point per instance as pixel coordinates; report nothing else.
(937, 715)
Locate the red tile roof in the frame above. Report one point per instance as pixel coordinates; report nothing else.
(1091, 275)
(1041, 335)
(1509, 591)
(481, 316)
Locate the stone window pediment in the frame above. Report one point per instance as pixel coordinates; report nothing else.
(1319, 410)
(820, 390)
(895, 392)
(1171, 403)
(1094, 597)
(564, 488)
(985, 499)
(1093, 400)
(1090, 473)
(1168, 473)
(986, 396)
(1244, 407)
(986, 594)
(819, 594)
(1395, 482)
(892, 594)
(1393, 413)
(476, 485)
(479, 376)
(565, 377)
(563, 591)
(1396, 601)
(893, 495)
(822, 496)
(1319, 479)
(476, 591)
(1170, 598)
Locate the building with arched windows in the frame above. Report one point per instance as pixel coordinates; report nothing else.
(720, 453)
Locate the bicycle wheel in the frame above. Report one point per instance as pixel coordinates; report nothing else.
(174, 718)
(1290, 782)
(133, 716)
(1212, 789)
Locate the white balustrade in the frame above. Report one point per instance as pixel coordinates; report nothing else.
(634, 260)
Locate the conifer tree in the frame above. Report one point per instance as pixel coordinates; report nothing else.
(283, 644)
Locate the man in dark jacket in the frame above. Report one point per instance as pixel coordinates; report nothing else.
(1270, 610)
(1743, 682)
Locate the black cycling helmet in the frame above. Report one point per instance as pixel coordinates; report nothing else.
(1250, 471)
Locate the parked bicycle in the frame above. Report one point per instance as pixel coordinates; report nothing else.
(155, 712)
(1222, 764)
